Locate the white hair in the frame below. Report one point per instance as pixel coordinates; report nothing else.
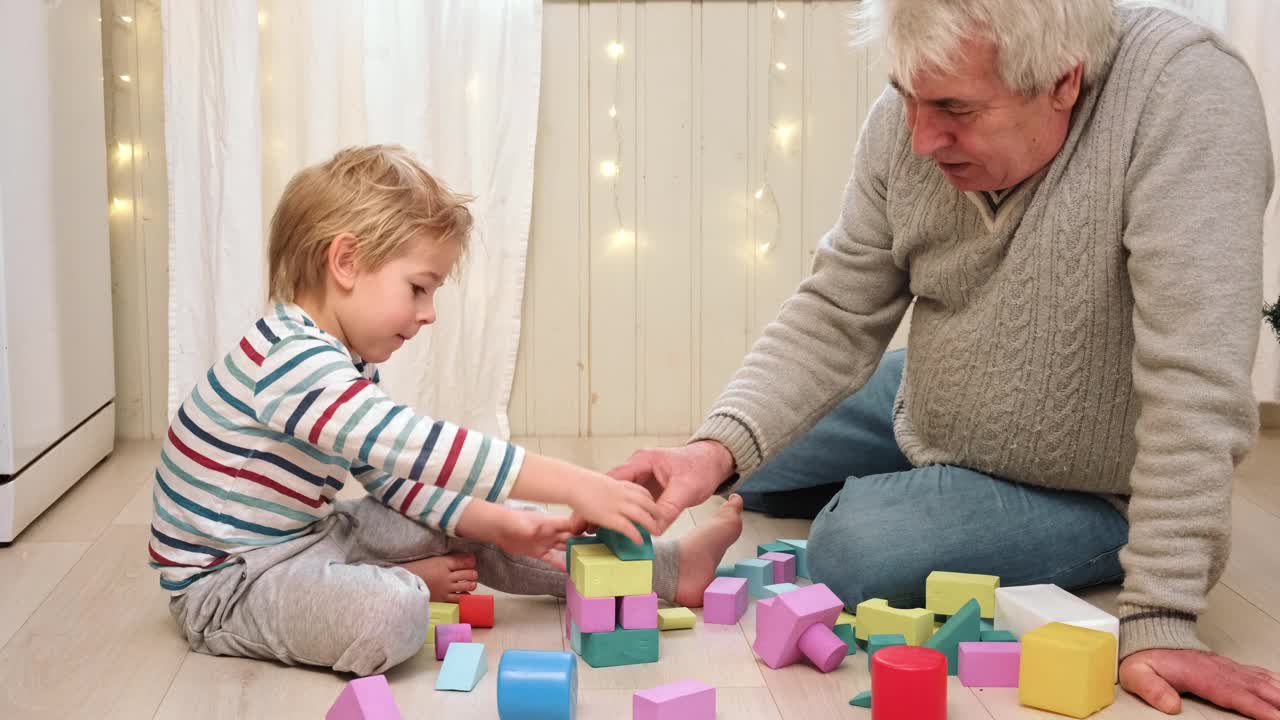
(1036, 41)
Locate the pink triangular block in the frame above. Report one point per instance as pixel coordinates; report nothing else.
(367, 698)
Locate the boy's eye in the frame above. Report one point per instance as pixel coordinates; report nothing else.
(418, 289)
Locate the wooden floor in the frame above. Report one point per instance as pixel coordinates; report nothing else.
(85, 632)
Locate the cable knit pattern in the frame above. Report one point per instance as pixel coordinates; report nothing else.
(1097, 335)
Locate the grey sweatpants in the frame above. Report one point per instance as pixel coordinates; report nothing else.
(334, 597)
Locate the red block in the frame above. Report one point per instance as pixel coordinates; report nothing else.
(908, 682)
(475, 610)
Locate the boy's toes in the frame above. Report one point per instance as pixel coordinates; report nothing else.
(461, 561)
(463, 586)
(464, 575)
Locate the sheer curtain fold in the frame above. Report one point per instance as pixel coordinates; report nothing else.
(257, 90)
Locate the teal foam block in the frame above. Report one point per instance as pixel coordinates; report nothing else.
(464, 665)
(964, 626)
(800, 548)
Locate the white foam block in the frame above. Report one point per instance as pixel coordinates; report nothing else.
(1023, 608)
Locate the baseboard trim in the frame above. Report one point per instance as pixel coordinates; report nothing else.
(1269, 413)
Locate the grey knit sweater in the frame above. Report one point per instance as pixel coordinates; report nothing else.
(1096, 333)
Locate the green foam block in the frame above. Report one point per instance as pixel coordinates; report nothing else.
(862, 699)
(964, 626)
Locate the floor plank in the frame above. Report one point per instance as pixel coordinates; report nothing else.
(30, 571)
(85, 511)
(101, 645)
(1253, 569)
(1258, 477)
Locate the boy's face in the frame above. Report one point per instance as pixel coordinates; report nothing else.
(386, 307)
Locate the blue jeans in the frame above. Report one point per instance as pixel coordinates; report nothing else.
(880, 525)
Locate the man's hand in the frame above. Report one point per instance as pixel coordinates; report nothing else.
(1160, 676)
(678, 477)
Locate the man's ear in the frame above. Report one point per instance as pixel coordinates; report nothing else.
(1067, 89)
(341, 261)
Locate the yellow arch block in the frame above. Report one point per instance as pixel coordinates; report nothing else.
(947, 592)
(1067, 669)
(597, 572)
(875, 617)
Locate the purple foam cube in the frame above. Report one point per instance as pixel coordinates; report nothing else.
(591, 614)
(724, 601)
(989, 664)
(784, 566)
(366, 698)
(446, 634)
(683, 700)
(781, 621)
(638, 612)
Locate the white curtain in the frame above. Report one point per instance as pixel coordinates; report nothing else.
(455, 81)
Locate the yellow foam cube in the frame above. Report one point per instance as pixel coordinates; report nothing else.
(1067, 669)
(847, 618)
(597, 572)
(946, 592)
(875, 617)
(677, 618)
(441, 614)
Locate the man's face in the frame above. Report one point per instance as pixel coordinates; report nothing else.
(981, 134)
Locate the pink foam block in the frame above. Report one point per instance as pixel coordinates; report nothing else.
(592, 614)
(568, 622)
(638, 612)
(784, 566)
(781, 620)
(989, 664)
(446, 634)
(366, 698)
(724, 601)
(823, 647)
(683, 700)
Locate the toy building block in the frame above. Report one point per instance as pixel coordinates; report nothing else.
(683, 700)
(767, 548)
(801, 548)
(1023, 608)
(963, 626)
(620, 647)
(726, 571)
(441, 614)
(724, 601)
(447, 634)
(989, 664)
(476, 610)
(537, 685)
(637, 612)
(845, 633)
(778, 589)
(596, 614)
(946, 592)
(463, 667)
(757, 573)
(987, 625)
(875, 617)
(366, 698)
(784, 566)
(575, 638)
(579, 541)
(876, 643)
(997, 636)
(624, 547)
(677, 618)
(909, 682)
(798, 624)
(597, 572)
(862, 699)
(1067, 669)
(847, 618)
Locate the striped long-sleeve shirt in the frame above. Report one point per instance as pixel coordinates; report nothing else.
(265, 441)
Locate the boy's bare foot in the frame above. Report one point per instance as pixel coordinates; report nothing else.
(447, 575)
(702, 548)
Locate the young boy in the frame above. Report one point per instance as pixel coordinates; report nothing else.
(259, 559)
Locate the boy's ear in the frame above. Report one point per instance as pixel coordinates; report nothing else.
(342, 261)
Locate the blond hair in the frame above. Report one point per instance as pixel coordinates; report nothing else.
(378, 193)
(1036, 41)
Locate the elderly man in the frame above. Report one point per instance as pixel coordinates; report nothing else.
(1072, 193)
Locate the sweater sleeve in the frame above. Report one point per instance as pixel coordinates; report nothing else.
(424, 468)
(1196, 190)
(829, 336)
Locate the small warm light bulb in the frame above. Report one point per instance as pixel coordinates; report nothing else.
(764, 248)
(781, 66)
(609, 168)
(262, 18)
(785, 133)
(615, 50)
(126, 19)
(621, 239)
(781, 15)
(125, 78)
(760, 192)
(124, 151)
(119, 204)
(613, 111)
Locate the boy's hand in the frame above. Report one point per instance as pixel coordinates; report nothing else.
(601, 501)
(534, 534)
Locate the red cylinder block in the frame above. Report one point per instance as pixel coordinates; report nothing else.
(908, 682)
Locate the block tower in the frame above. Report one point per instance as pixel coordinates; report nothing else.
(611, 610)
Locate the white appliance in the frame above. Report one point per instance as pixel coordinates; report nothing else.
(57, 386)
